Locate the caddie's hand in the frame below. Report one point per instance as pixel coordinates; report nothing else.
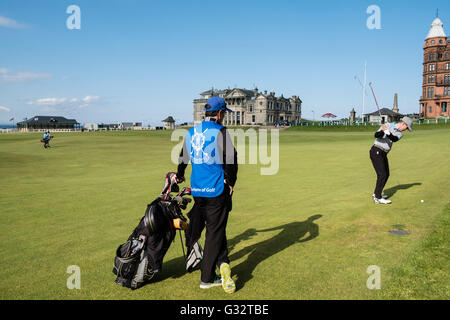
(231, 188)
(383, 127)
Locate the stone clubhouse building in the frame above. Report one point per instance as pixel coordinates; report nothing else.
(251, 107)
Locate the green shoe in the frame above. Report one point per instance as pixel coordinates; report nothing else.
(227, 282)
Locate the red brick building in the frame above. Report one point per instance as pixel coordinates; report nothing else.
(435, 99)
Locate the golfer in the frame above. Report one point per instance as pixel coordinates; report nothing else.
(209, 148)
(46, 139)
(384, 138)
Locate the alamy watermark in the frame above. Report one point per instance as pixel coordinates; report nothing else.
(74, 280)
(374, 280)
(256, 142)
(73, 22)
(374, 20)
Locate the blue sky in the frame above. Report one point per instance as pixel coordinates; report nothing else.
(144, 60)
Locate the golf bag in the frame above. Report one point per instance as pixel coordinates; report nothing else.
(46, 141)
(139, 259)
(194, 257)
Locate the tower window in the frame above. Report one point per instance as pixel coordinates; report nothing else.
(430, 92)
(447, 79)
(432, 57)
(447, 91)
(447, 66)
(432, 41)
(431, 67)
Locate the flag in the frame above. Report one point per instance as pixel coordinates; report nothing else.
(11, 119)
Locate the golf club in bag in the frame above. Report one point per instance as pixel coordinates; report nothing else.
(140, 259)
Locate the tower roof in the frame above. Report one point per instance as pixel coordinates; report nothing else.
(437, 29)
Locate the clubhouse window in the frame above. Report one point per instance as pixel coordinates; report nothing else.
(447, 79)
(430, 79)
(431, 109)
(447, 66)
(431, 67)
(430, 92)
(444, 106)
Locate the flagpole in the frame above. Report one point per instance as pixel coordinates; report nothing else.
(364, 92)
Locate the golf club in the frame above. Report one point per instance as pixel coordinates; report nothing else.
(376, 102)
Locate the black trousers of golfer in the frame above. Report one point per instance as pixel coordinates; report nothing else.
(211, 213)
(381, 166)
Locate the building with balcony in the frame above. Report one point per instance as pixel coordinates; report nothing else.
(435, 98)
(251, 107)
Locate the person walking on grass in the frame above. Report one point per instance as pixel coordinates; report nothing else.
(384, 138)
(46, 139)
(209, 148)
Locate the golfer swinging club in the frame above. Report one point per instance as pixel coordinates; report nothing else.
(210, 149)
(384, 137)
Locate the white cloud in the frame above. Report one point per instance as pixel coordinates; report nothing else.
(5, 109)
(48, 101)
(88, 100)
(63, 104)
(7, 76)
(11, 23)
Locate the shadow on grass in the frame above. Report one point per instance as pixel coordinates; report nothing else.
(290, 234)
(174, 268)
(391, 191)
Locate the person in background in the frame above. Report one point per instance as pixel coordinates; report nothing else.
(46, 139)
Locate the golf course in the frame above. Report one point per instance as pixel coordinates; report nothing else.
(310, 231)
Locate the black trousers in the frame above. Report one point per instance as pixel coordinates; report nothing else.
(381, 166)
(211, 213)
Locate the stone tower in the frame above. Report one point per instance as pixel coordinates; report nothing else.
(436, 73)
(352, 116)
(395, 107)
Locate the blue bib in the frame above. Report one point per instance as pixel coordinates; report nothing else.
(207, 177)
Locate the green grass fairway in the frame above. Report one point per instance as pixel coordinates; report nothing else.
(308, 232)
